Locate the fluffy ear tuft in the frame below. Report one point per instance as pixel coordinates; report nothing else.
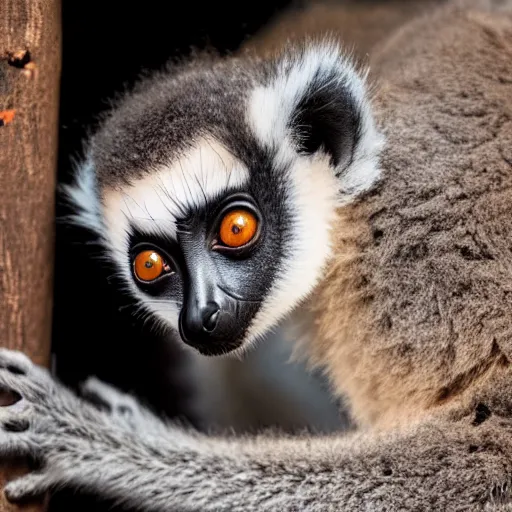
(315, 99)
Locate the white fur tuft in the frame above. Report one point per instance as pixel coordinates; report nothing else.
(84, 197)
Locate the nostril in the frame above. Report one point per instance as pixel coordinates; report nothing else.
(210, 318)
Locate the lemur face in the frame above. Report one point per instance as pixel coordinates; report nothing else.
(214, 189)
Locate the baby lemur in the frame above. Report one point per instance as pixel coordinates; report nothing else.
(234, 192)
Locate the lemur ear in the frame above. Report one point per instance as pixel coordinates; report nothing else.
(315, 99)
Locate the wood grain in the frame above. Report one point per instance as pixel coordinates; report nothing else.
(30, 57)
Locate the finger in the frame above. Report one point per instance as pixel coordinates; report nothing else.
(28, 487)
(14, 361)
(16, 444)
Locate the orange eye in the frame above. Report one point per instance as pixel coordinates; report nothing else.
(148, 265)
(238, 227)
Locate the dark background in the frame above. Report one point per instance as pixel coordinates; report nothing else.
(106, 45)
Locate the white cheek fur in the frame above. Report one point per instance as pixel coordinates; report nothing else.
(316, 189)
(312, 200)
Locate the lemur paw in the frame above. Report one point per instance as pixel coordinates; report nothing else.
(45, 422)
(28, 382)
(69, 438)
(22, 384)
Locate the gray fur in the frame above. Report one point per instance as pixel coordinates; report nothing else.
(165, 113)
(445, 464)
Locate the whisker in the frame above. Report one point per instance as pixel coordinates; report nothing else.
(148, 212)
(201, 188)
(192, 200)
(204, 176)
(126, 204)
(167, 194)
(230, 168)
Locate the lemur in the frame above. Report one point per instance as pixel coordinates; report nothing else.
(237, 191)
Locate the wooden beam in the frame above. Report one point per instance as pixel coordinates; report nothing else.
(30, 59)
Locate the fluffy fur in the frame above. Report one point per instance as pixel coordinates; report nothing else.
(412, 325)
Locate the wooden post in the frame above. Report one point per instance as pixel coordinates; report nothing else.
(30, 59)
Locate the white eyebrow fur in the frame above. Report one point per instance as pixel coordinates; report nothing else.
(154, 202)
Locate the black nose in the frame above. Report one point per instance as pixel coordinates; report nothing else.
(198, 323)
